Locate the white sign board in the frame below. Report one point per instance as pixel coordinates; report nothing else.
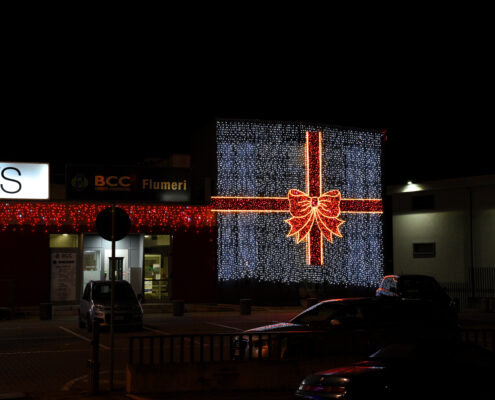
(63, 276)
(24, 181)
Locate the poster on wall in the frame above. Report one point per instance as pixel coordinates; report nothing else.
(63, 276)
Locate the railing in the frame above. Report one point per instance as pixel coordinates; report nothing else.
(193, 348)
(180, 348)
(480, 284)
(482, 337)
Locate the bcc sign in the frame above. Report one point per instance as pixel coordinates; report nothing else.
(121, 223)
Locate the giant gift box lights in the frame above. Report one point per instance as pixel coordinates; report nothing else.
(298, 202)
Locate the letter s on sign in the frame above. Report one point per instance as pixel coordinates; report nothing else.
(12, 180)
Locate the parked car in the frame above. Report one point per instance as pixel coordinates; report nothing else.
(422, 369)
(357, 322)
(417, 287)
(95, 305)
(412, 287)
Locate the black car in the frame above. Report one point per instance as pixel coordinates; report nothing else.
(424, 369)
(337, 324)
(95, 305)
(412, 287)
(415, 286)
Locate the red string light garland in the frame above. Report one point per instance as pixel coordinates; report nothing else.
(57, 217)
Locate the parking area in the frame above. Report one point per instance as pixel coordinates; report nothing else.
(50, 356)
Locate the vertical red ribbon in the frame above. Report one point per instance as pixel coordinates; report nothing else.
(314, 250)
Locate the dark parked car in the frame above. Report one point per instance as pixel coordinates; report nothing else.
(95, 305)
(356, 322)
(412, 287)
(417, 287)
(416, 370)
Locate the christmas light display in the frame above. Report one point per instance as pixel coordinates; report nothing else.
(257, 162)
(55, 217)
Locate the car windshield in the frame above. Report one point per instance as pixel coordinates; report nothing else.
(122, 292)
(332, 310)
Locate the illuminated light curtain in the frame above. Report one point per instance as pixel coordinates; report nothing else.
(56, 217)
(265, 161)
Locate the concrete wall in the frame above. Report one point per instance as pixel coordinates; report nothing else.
(226, 375)
(462, 226)
(24, 269)
(446, 226)
(484, 227)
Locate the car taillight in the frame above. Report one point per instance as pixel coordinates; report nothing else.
(321, 388)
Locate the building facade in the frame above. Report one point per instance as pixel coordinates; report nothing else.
(447, 229)
(297, 212)
(51, 247)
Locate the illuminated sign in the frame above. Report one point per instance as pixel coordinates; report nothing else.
(24, 181)
(169, 185)
(299, 203)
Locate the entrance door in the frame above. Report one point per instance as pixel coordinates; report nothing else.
(119, 267)
(156, 277)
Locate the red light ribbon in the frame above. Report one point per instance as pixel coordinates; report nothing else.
(306, 210)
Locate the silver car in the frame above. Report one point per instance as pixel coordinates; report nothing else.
(95, 305)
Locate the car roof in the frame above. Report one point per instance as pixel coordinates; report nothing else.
(415, 276)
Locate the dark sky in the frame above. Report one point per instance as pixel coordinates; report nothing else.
(83, 99)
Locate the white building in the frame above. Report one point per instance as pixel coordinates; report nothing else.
(447, 229)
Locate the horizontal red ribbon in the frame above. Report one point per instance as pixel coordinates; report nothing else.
(281, 204)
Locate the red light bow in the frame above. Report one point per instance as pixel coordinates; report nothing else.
(306, 210)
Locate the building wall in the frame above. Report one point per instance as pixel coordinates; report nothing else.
(25, 264)
(484, 226)
(461, 224)
(193, 272)
(446, 226)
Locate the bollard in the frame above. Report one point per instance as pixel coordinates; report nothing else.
(245, 306)
(94, 362)
(178, 308)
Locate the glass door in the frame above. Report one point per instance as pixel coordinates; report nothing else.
(118, 267)
(155, 277)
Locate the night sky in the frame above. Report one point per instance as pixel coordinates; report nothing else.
(83, 100)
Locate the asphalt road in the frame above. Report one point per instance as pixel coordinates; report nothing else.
(50, 357)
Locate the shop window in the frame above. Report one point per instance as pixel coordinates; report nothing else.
(424, 250)
(91, 266)
(64, 240)
(156, 240)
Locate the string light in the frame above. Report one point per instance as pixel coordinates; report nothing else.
(260, 162)
(56, 217)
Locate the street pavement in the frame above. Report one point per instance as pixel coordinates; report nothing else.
(47, 360)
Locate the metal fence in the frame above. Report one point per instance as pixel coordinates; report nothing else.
(480, 284)
(167, 349)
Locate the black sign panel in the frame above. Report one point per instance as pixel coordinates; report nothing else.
(169, 185)
(121, 223)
